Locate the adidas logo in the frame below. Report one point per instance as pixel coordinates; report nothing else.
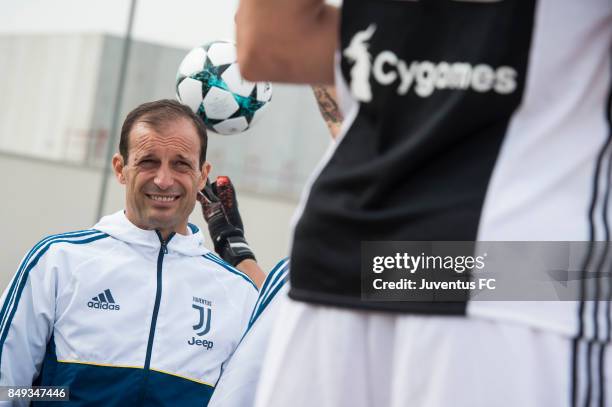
(104, 300)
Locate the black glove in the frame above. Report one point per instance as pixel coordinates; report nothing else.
(220, 209)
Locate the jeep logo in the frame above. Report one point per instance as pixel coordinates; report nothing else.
(201, 342)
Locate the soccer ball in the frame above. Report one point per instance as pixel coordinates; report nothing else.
(208, 80)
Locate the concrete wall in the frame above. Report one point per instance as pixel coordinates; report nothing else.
(45, 197)
(58, 94)
(59, 91)
(47, 83)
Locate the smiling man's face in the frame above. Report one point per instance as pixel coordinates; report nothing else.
(162, 175)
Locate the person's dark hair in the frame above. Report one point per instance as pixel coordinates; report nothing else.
(157, 114)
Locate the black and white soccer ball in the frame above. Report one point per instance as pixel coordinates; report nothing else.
(208, 80)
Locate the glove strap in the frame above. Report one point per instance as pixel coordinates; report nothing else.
(233, 248)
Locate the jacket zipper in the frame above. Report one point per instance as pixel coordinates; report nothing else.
(163, 249)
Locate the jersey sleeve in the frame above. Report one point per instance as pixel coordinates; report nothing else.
(27, 312)
(238, 383)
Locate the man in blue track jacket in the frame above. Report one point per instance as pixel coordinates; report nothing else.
(135, 311)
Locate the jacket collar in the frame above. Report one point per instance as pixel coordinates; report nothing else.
(118, 226)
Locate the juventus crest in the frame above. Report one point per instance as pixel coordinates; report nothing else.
(204, 315)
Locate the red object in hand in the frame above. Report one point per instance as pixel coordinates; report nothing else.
(222, 180)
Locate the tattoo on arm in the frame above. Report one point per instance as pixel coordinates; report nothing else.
(326, 99)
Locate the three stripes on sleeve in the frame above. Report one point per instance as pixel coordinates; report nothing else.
(275, 280)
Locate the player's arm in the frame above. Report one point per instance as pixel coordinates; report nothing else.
(27, 314)
(220, 209)
(328, 106)
(287, 41)
(238, 383)
(252, 269)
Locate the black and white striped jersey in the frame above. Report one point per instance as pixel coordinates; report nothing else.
(464, 120)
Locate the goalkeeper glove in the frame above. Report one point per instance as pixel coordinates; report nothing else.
(220, 209)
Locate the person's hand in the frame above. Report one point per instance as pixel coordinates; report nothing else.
(220, 209)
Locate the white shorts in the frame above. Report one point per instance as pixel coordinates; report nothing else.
(325, 356)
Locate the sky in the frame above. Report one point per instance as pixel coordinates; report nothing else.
(181, 23)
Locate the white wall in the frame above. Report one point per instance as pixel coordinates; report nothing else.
(45, 114)
(58, 97)
(47, 83)
(42, 198)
